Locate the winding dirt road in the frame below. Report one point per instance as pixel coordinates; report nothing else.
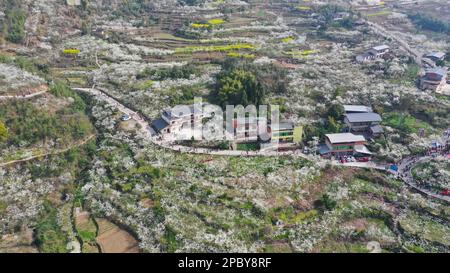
(53, 152)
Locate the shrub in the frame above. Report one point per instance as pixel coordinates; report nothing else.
(3, 132)
(431, 23)
(327, 202)
(239, 87)
(49, 236)
(15, 25)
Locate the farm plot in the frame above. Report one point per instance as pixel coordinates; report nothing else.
(113, 239)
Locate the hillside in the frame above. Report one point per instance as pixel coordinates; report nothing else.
(82, 85)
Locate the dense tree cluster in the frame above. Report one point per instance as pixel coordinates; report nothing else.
(431, 23)
(328, 15)
(239, 86)
(175, 72)
(244, 83)
(13, 27)
(191, 2)
(30, 124)
(3, 132)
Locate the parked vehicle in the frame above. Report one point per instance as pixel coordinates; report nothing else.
(125, 117)
(446, 192)
(362, 159)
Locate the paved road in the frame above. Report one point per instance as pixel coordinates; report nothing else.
(405, 173)
(145, 127)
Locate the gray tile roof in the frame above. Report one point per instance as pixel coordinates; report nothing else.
(438, 70)
(363, 117)
(286, 125)
(159, 124)
(381, 47)
(437, 55)
(344, 138)
(357, 108)
(377, 129)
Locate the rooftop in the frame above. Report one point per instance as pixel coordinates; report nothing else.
(363, 57)
(438, 55)
(357, 108)
(159, 124)
(438, 70)
(180, 111)
(377, 129)
(344, 138)
(380, 47)
(248, 120)
(286, 125)
(362, 149)
(363, 117)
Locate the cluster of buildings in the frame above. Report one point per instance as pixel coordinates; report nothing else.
(176, 125)
(345, 144)
(436, 77)
(430, 60)
(373, 54)
(361, 123)
(361, 119)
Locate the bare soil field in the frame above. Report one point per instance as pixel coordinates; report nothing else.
(113, 239)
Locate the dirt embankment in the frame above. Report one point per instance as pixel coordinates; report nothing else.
(113, 239)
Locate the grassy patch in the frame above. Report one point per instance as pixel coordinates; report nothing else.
(405, 122)
(49, 236)
(380, 13)
(248, 146)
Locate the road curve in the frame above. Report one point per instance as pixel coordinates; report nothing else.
(405, 167)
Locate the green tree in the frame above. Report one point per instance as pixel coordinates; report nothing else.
(86, 28)
(15, 21)
(440, 63)
(3, 132)
(333, 126)
(3, 33)
(239, 86)
(336, 111)
(49, 236)
(327, 202)
(429, 22)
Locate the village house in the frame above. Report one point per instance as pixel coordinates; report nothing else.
(434, 79)
(436, 56)
(174, 120)
(246, 129)
(284, 132)
(350, 109)
(373, 54)
(364, 123)
(429, 60)
(285, 136)
(179, 122)
(344, 144)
